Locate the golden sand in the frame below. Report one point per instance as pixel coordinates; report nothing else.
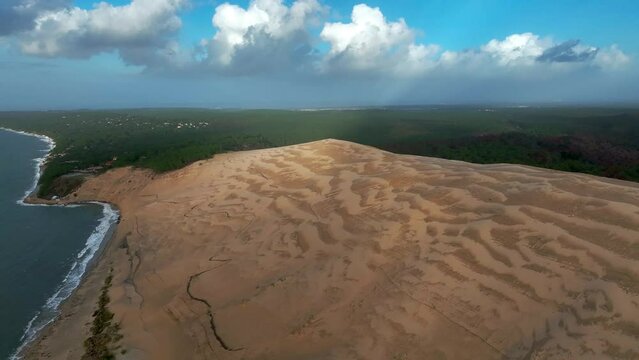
(333, 250)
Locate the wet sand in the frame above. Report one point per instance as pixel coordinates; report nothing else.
(333, 250)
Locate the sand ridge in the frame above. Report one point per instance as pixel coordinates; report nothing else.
(334, 250)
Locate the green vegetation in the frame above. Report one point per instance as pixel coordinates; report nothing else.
(592, 140)
(104, 331)
(566, 153)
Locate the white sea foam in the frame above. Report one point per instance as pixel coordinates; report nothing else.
(72, 279)
(38, 163)
(49, 311)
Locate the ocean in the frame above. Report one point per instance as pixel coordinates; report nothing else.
(44, 250)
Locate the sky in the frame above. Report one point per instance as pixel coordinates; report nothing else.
(65, 54)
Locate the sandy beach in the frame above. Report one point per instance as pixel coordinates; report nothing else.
(334, 250)
(49, 271)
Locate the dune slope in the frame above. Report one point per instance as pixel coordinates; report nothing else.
(333, 250)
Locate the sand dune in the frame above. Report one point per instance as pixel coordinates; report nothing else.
(333, 250)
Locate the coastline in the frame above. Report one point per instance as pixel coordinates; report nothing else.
(84, 262)
(39, 166)
(197, 272)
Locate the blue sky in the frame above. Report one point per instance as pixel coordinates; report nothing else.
(273, 53)
(465, 23)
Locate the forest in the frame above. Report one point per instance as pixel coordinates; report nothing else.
(598, 141)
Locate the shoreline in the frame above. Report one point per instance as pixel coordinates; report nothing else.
(205, 258)
(85, 259)
(39, 165)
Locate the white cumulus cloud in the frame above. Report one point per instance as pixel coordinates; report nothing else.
(612, 58)
(267, 26)
(19, 15)
(277, 36)
(371, 42)
(77, 32)
(517, 49)
(532, 53)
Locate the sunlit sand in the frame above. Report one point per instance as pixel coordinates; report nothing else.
(333, 250)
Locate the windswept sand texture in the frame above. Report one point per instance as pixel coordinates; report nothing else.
(333, 250)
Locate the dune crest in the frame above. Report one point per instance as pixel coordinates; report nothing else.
(333, 250)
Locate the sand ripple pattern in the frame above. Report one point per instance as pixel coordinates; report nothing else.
(333, 250)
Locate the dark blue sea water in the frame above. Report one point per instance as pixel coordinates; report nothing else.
(44, 250)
